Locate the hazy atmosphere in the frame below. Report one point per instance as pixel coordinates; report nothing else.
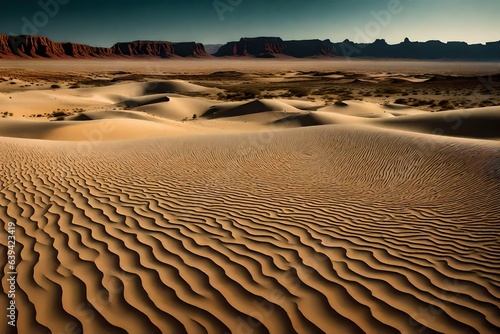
(102, 23)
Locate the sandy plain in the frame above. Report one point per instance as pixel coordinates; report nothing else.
(244, 196)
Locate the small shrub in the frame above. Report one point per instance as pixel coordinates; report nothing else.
(299, 91)
(58, 113)
(250, 92)
(346, 97)
(55, 86)
(391, 90)
(418, 103)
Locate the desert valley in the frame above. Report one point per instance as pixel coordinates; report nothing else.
(270, 187)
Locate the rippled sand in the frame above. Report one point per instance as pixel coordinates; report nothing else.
(256, 217)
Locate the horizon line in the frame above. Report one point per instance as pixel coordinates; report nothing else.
(256, 37)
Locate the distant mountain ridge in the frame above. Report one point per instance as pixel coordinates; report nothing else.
(41, 47)
(269, 47)
(26, 46)
(159, 49)
(420, 50)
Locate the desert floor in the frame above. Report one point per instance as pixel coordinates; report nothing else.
(251, 196)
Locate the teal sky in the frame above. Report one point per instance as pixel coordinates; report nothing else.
(102, 23)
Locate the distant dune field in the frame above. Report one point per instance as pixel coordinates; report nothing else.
(152, 208)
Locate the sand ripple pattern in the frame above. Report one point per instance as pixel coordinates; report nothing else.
(317, 230)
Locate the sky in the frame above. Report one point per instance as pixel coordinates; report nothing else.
(105, 22)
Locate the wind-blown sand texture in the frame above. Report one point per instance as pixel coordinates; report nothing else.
(259, 216)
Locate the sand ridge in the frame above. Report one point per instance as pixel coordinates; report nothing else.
(154, 208)
(368, 255)
(164, 108)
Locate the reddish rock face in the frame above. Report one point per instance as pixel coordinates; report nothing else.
(257, 47)
(159, 49)
(82, 51)
(144, 48)
(29, 46)
(4, 46)
(42, 47)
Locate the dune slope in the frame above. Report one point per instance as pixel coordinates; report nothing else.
(335, 229)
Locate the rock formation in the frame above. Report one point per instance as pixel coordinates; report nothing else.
(269, 47)
(262, 47)
(420, 50)
(42, 47)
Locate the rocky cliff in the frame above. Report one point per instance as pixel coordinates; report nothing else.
(144, 48)
(309, 48)
(29, 46)
(420, 50)
(269, 47)
(42, 47)
(82, 51)
(159, 49)
(189, 49)
(262, 47)
(275, 47)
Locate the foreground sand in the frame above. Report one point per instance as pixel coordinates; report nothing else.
(333, 229)
(259, 216)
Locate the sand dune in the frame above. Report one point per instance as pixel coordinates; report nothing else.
(371, 110)
(93, 131)
(147, 88)
(32, 103)
(178, 107)
(318, 118)
(475, 123)
(122, 94)
(305, 230)
(472, 123)
(261, 111)
(255, 216)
